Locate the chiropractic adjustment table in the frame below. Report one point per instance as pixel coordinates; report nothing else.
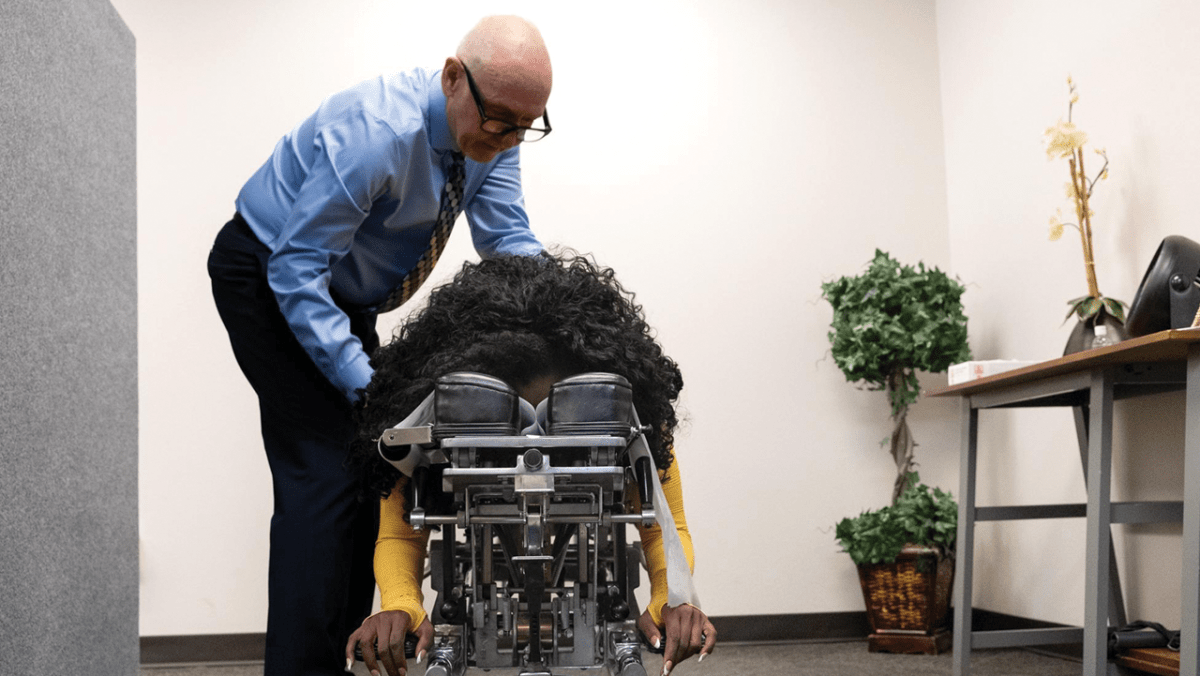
(542, 580)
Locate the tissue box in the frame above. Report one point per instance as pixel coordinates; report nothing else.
(974, 370)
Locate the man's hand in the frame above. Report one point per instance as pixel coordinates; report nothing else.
(687, 630)
(386, 631)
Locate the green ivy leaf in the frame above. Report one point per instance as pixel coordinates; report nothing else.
(921, 516)
(896, 318)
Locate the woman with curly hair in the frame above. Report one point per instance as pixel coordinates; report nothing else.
(529, 321)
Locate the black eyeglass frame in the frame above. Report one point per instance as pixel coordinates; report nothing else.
(508, 128)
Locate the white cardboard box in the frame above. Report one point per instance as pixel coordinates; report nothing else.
(974, 370)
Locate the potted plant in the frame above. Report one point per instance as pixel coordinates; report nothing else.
(905, 558)
(888, 323)
(1101, 319)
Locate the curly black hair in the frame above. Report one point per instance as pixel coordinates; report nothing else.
(518, 318)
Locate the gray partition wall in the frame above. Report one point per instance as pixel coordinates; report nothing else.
(68, 339)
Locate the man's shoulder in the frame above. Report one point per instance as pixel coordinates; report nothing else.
(399, 100)
(412, 87)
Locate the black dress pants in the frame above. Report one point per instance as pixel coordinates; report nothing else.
(320, 580)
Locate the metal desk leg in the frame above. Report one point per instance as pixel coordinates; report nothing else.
(965, 546)
(1189, 634)
(1116, 599)
(1099, 521)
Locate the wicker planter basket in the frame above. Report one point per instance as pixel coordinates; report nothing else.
(908, 602)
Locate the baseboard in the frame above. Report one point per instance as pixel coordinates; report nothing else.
(842, 626)
(203, 648)
(845, 626)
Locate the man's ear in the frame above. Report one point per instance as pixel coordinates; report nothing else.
(451, 75)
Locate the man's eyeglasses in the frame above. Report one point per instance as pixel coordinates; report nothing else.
(500, 127)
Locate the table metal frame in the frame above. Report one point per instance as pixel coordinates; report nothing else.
(1088, 382)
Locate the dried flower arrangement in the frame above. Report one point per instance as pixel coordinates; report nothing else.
(1065, 141)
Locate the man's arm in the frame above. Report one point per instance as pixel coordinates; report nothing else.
(351, 165)
(496, 212)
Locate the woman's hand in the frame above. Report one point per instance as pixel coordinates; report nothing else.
(687, 630)
(386, 630)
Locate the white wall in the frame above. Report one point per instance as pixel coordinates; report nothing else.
(725, 158)
(1003, 69)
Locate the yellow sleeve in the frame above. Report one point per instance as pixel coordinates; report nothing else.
(656, 560)
(400, 559)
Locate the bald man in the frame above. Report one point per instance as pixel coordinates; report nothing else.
(327, 234)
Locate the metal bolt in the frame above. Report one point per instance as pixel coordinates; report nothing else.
(533, 459)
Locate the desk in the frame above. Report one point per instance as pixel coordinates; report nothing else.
(1088, 382)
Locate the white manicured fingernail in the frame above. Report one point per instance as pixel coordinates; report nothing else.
(666, 670)
(420, 657)
(657, 643)
(349, 664)
(702, 656)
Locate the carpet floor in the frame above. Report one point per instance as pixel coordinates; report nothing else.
(776, 659)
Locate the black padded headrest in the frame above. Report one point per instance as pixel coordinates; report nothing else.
(590, 404)
(474, 404)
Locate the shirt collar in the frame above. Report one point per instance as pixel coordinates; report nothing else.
(440, 138)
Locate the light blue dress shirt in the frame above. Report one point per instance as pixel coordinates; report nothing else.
(347, 203)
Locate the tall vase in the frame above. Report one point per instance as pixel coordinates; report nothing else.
(1099, 330)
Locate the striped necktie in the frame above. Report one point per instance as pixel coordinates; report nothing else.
(451, 205)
